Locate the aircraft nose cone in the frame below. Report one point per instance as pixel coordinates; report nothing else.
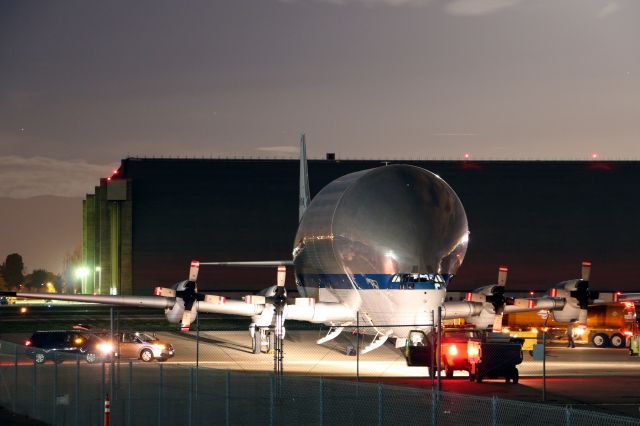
(388, 220)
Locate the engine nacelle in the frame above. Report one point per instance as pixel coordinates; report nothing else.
(486, 317)
(175, 313)
(571, 311)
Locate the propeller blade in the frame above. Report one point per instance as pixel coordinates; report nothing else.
(185, 323)
(163, 291)
(497, 323)
(586, 270)
(282, 274)
(193, 271)
(502, 275)
(475, 297)
(252, 299)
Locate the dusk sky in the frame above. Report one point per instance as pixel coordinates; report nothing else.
(86, 83)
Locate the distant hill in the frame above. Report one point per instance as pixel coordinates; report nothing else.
(40, 229)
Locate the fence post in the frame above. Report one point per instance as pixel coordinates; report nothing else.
(107, 411)
(380, 404)
(227, 407)
(34, 395)
(494, 410)
(190, 409)
(130, 394)
(77, 413)
(321, 401)
(434, 408)
(55, 387)
(272, 401)
(357, 346)
(102, 388)
(160, 393)
(567, 414)
(15, 379)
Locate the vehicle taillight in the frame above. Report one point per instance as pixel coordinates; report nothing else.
(27, 343)
(473, 352)
(453, 351)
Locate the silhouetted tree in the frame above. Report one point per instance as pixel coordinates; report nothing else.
(38, 279)
(12, 271)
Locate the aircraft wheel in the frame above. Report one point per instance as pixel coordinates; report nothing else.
(618, 341)
(146, 355)
(39, 358)
(91, 357)
(255, 342)
(516, 376)
(600, 340)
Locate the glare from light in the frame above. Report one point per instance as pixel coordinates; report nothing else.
(82, 272)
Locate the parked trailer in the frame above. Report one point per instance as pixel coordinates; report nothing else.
(607, 325)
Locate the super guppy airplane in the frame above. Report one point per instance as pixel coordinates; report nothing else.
(376, 247)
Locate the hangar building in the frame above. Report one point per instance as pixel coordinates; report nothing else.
(143, 225)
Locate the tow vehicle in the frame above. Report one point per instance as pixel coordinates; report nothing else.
(459, 347)
(498, 357)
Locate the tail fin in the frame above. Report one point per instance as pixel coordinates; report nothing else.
(304, 179)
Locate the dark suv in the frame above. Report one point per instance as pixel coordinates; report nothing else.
(55, 345)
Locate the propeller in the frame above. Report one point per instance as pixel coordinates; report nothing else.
(494, 295)
(187, 291)
(578, 296)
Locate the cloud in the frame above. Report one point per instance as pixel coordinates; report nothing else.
(281, 149)
(22, 177)
(608, 9)
(455, 134)
(477, 7)
(372, 2)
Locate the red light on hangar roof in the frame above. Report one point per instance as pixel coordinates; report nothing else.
(594, 156)
(115, 171)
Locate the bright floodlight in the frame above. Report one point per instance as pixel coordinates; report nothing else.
(82, 272)
(98, 269)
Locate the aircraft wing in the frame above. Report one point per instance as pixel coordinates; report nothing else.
(140, 301)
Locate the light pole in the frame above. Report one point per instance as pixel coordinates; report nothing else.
(82, 272)
(99, 271)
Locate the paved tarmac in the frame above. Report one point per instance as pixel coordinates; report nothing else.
(603, 379)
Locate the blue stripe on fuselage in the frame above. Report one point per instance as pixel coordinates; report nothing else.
(367, 282)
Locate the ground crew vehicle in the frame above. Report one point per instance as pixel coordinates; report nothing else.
(498, 357)
(143, 346)
(457, 349)
(54, 345)
(607, 325)
(134, 344)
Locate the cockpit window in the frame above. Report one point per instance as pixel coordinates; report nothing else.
(421, 281)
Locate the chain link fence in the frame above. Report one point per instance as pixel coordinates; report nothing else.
(66, 390)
